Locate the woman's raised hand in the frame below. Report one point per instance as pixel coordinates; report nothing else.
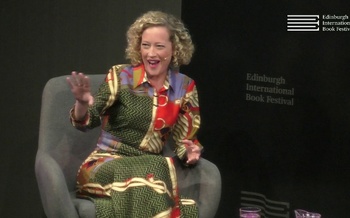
(193, 151)
(80, 87)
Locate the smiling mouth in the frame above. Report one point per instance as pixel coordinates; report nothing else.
(153, 63)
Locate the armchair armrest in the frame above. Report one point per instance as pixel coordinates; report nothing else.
(53, 188)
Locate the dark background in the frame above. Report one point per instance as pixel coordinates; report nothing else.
(41, 39)
(297, 154)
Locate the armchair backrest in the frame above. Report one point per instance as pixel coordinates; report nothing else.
(57, 137)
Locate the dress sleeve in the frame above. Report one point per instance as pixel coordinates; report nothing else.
(188, 122)
(103, 99)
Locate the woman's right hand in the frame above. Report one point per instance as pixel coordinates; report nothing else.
(80, 87)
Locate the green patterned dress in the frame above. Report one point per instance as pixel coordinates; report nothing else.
(126, 176)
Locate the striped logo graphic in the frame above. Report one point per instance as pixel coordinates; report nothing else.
(303, 22)
(269, 208)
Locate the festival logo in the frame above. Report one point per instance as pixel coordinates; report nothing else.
(322, 23)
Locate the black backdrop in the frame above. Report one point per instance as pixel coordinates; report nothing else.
(41, 39)
(293, 154)
(278, 156)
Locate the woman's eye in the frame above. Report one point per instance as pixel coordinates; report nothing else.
(145, 45)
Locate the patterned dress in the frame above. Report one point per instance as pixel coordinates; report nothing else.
(127, 176)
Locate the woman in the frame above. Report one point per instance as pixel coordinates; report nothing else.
(137, 107)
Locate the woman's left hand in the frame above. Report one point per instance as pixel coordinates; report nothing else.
(193, 151)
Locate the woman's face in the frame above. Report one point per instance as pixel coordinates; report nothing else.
(156, 50)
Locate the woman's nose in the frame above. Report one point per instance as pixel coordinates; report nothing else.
(151, 52)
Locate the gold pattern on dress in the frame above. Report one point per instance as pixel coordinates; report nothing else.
(144, 145)
(187, 202)
(157, 185)
(166, 100)
(163, 124)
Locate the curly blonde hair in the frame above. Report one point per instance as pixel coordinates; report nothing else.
(183, 47)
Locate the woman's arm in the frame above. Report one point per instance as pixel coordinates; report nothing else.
(187, 147)
(81, 90)
(88, 109)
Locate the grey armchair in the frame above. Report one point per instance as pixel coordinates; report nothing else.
(62, 149)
